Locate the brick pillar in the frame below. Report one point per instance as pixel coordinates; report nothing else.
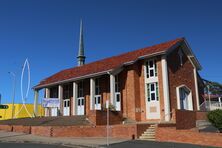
(130, 93)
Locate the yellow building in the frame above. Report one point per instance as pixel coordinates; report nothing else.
(19, 111)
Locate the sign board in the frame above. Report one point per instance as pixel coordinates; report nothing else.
(51, 102)
(3, 106)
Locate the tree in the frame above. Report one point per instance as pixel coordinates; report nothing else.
(215, 88)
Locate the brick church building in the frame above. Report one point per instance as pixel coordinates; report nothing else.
(143, 85)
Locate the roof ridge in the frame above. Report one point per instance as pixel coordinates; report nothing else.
(108, 62)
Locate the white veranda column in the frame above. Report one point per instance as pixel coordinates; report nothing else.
(92, 93)
(165, 88)
(74, 99)
(112, 89)
(220, 103)
(60, 96)
(196, 88)
(47, 95)
(36, 92)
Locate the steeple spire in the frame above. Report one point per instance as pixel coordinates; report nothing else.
(81, 57)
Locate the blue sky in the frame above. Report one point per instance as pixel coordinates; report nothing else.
(47, 31)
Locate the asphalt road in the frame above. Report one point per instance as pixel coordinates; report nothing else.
(151, 144)
(28, 145)
(127, 144)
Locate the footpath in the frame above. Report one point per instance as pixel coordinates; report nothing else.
(12, 137)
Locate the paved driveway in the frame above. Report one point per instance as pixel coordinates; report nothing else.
(151, 144)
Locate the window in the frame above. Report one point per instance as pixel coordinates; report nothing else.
(117, 83)
(152, 92)
(54, 92)
(80, 89)
(97, 92)
(68, 91)
(151, 69)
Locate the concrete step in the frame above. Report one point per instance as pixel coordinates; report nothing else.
(147, 138)
(149, 133)
(150, 130)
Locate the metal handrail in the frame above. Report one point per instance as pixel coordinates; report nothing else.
(165, 116)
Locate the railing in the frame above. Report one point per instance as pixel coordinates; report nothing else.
(212, 105)
(163, 118)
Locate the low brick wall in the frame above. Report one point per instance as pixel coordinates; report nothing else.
(79, 131)
(185, 119)
(41, 130)
(22, 129)
(100, 117)
(124, 131)
(201, 115)
(170, 134)
(7, 128)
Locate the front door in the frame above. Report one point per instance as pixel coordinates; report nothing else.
(80, 106)
(118, 101)
(152, 101)
(66, 107)
(98, 102)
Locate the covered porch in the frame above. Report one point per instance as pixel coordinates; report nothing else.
(83, 95)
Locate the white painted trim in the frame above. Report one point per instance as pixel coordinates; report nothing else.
(47, 93)
(196, 88)
(165, 88)
(92, 93)
(112, 89)
(74, 98)
(190, 99)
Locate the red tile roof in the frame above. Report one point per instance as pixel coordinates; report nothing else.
(107, 63)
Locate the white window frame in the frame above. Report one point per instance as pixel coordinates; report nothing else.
(155, 92)
(147, 71)
(190, 99)
(153, 68)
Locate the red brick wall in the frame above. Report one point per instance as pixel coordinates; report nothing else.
(124, 131)
(188, 136)
(22, 129)
(41, 130)
(201, 115)
(185, 119)
(100, 117)
(76, 131)
(7, 128)
(180, 75)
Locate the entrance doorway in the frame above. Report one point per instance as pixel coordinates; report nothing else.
(66, 107)
(80, 106)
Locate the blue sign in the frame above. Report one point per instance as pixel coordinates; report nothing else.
(51, 102)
